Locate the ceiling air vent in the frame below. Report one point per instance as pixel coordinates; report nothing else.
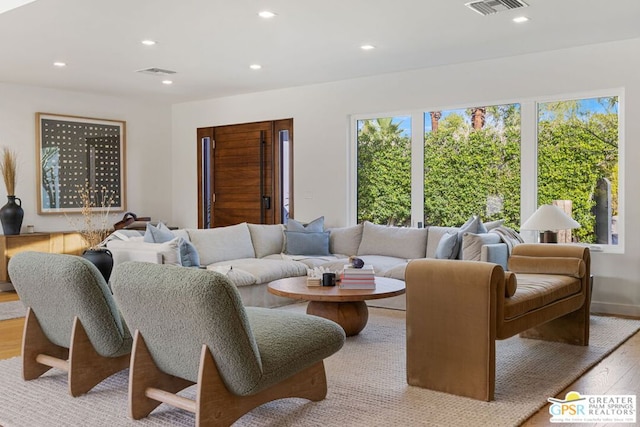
(488, 7)
(154, 71)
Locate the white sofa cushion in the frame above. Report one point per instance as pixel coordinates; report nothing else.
(396, 272)
(222, 243)
(237, 276)
(396, 242)
(265, 270)
(267, 239)
(309, 260)
(345, 240)
(380, 263)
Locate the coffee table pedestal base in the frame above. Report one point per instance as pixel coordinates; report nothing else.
(351, 315)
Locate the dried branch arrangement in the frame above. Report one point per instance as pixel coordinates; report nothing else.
(94, 225)
(8, 167)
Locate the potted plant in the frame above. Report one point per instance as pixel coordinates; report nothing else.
(11, 214)
(94, 225)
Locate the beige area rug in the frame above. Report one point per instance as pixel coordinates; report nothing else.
(367, 386)
(12, 309)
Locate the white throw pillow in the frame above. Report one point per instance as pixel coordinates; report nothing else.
(345, 240)
(267, 239)
(472, 244)
(222, 243)
(400, 242)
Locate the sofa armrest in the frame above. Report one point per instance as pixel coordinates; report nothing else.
(451, 325)
(120, 256)
(496, 253)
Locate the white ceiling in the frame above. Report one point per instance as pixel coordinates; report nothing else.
(211, 43)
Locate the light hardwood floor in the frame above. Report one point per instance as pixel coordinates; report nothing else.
(10, 330)
(619, 373)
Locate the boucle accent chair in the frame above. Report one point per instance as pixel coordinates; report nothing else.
(72, 322)
(457, 309)
(191, 328)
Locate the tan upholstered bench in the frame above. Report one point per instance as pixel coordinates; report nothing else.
(457, 309)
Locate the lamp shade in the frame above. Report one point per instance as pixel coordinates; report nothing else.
(549, 218)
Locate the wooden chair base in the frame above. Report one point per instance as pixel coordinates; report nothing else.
(214, 404)
(85, 367)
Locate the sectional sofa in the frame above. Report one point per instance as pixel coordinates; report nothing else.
(252, 255)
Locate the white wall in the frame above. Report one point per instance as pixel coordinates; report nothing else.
(321, 133)
(147, 147)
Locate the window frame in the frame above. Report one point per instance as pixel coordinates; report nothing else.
(619, 92)
(528, 157)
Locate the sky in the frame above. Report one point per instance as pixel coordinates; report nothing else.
(585, 105)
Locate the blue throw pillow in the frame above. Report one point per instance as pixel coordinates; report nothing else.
(315, 226)
(188, 253)
(157, 234)
(448, 246)
(307, 243)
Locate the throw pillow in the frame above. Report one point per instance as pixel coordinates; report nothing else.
(482, 228)
(267, 239)
(471, 226)
(155, 234)
(307, 243)
(399, 242)
(345, 240)
(222, 243)
(448, 246)
(160, 234)
(472, 244)
(493, 224)
(315, 226)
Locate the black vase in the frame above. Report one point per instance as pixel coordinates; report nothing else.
(101, 258)
(11, 216)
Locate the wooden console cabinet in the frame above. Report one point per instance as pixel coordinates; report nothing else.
(60, 242)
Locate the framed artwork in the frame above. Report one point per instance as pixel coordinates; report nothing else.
(75, 154)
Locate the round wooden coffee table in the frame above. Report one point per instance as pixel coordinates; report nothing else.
(346, 307)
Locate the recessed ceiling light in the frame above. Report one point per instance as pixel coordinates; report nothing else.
(266, 14)
(167, 82)
(148, 42)
(367, 47)
(255, 66)
(60, 64)
(520, 19)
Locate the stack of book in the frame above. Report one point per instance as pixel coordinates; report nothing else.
(358, 278)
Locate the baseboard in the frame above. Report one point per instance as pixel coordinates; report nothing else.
(617, 309)
(6, 286)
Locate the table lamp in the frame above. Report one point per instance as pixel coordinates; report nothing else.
(548, 219)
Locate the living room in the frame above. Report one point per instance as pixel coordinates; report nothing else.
(161, 134)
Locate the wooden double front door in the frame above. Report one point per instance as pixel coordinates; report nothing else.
(245, 173)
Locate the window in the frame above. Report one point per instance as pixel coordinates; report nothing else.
(472, 165)
(384, 170)
(578, 164)
(497, 161)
